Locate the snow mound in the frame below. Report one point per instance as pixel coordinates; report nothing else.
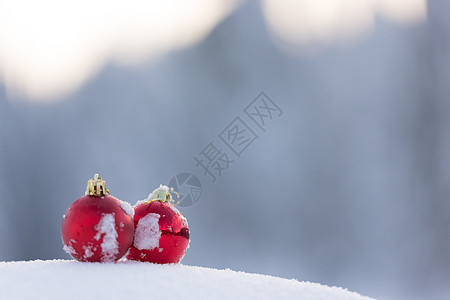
(147, 233)
(107, 228)
(64, 279)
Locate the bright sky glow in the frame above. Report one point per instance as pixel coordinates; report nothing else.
(49, 48)
(305, 21)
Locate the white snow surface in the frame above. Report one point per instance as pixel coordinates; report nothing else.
(72, 280)
(107, 227)
(147, 232)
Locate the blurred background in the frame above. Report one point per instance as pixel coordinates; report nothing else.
(349, 187)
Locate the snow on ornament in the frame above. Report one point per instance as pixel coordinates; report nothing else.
(97, 227)
(161, 231)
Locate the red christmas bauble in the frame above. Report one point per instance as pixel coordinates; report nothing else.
(97, 228)
(161, 233)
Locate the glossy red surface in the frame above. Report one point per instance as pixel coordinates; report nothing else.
(80, 224)
(174, 238)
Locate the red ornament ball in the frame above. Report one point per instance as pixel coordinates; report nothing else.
(161, 233)
(98, 229)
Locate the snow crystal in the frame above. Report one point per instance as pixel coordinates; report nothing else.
(139, 202)
(185, 222)
(69, 249)
(107, 228)
(88, 251)
(174, 209)
(153, 195)
(147, 232)
(127, 208)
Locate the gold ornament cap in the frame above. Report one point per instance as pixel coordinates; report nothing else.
(96, 187)
(163, 193)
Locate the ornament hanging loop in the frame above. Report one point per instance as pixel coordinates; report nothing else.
(96, 187)
(178, 196)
